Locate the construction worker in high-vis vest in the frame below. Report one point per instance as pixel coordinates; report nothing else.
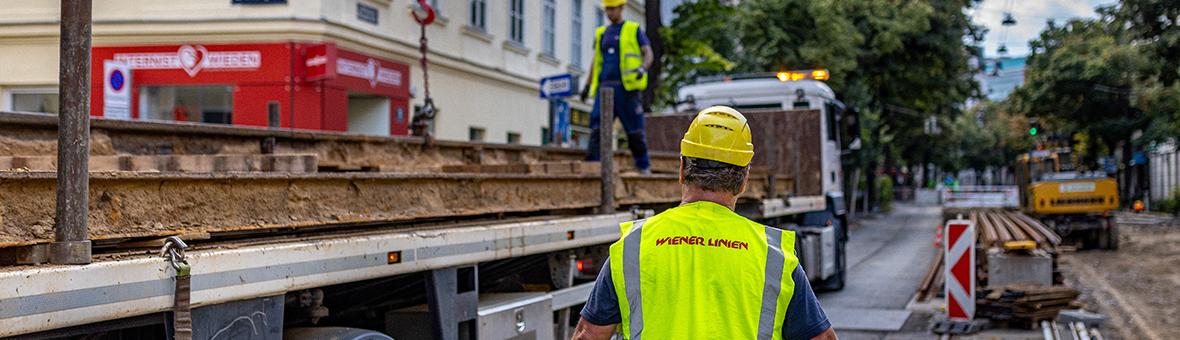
(621, 57)
(700, 270)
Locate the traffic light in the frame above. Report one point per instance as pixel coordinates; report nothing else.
(1032, 131)
(1034, 127)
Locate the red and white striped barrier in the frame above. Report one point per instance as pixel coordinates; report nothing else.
(960, 269)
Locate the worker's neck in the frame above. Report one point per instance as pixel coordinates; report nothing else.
(695, 194)
(616, 22)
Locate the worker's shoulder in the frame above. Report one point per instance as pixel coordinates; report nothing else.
(686, 214)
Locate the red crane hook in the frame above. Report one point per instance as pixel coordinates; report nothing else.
(422, 12)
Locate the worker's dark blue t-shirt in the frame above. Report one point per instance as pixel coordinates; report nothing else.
(610, 52)
(804, 320)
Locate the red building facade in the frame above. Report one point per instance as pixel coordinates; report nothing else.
(285, 84)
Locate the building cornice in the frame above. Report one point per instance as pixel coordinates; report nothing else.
(258, 29)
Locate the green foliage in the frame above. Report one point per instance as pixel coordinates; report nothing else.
(885, 190)
(1082, 74)
(698, 43)
(899, 62)
(1169, 205)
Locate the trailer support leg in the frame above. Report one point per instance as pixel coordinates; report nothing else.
(453, 297)
(562, 267)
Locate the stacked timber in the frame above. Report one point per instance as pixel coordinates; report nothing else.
(1024, 305)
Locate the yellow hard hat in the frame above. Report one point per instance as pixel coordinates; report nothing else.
(613, 3)
(721, 134)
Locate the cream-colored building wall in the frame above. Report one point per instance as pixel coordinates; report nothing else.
(477, 78)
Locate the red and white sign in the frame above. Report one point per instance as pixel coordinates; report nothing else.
(370, 70)
(320, 63)
(192, 59)
(960, 269)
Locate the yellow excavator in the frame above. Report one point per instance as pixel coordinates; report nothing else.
(1076, 204)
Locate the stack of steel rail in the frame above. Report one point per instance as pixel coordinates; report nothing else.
(996, 227)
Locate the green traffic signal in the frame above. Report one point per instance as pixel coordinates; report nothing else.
(1032, 131)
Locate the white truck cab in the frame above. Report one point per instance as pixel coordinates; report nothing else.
(767, 92)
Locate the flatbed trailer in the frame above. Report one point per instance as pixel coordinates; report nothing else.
(358, 262)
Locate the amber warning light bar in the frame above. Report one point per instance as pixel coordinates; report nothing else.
(819, 74)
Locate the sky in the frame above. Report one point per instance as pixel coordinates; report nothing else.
(1030, 15)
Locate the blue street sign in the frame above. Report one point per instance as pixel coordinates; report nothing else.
(558, 86)
(561, 121)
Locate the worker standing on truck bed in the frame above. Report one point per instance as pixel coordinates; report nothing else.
(621, 57)
(700, 270)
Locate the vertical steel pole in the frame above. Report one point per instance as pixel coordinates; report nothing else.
(606, 124)
(71, 233)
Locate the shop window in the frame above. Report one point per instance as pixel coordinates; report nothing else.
(516, 21)
(513, 137)
(475, 134)
(204, 104)
(34, 101)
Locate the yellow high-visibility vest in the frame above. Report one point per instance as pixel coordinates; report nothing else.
(630, 59)
(701, 271)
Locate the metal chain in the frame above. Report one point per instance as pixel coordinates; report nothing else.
(173, 251)
(428, 105)
(422, 118)
(182, 318)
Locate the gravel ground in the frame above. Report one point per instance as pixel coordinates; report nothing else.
(1138, 286)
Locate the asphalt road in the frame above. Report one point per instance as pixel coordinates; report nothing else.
(887, 257)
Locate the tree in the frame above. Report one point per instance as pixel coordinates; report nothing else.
(898, 62)
(1082, 74)
(699, 42)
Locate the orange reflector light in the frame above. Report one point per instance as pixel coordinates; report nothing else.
(783, 76)
(579, 265)
(394, 257)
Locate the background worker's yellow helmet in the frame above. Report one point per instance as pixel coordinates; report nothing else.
(613, 3)
(721, 134)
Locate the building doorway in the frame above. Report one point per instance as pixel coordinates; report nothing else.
(368, 114)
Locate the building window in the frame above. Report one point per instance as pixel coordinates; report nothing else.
(33, 100)
(516, 21)
(576, 35)
(599, 17)
(205, 104)
(475, 134)
(549, 32)
(513, 137)
(476, 19)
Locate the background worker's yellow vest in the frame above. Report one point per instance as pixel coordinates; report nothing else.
(701, 271)
(630, 59)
